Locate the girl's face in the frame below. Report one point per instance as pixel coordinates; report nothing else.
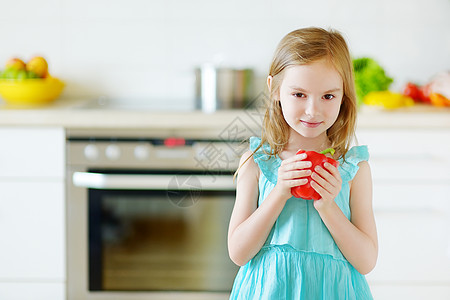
(311, 97)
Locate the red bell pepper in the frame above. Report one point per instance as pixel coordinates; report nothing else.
(418, 93)
(316, 159)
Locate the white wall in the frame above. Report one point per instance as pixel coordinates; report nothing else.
(148, 49)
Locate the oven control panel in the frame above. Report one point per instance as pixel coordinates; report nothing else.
(171, 153)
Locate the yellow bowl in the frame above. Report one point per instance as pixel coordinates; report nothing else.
(30, 91)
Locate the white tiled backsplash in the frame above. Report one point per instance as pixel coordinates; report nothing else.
(148, 49)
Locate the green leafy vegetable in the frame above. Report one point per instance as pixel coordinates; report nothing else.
(369, 77)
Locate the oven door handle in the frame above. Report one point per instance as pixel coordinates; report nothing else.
(153, 182)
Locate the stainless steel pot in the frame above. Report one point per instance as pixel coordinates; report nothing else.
(223, 88)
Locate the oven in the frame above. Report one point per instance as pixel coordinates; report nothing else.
(148, 216)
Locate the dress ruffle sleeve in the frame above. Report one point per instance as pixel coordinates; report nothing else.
(354, 156)
(268, 164)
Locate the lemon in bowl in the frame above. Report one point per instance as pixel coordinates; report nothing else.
(33, 91)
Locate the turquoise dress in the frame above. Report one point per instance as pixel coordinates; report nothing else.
(300, 259)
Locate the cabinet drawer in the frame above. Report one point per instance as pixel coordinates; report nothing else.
(32, 228)
(32, 290)
(410, 292)
(408, 156)
(414, 247)
(411, 170)
(32, 152)
(406, 143)
(395, 196)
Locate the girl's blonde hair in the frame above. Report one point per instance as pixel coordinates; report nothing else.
(301, 47)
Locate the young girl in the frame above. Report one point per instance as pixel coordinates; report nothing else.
(292, 248)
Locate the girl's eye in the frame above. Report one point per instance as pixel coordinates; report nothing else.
(328, 97)
(299, 95)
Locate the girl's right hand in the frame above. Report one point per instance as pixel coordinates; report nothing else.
(291, 173)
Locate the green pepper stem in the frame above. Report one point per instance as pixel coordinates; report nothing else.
(329, 150)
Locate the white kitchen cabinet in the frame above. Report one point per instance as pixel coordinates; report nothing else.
(410, 292)
(411, 176)
(32, 290)
(32, 213)
(32, 230)
(31, 152)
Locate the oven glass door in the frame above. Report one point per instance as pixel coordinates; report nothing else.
(171, 239)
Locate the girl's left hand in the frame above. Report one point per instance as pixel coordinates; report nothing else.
(327, 182)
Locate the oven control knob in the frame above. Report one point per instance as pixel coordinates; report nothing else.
(112, 152)
(91, 152)
(142, 152)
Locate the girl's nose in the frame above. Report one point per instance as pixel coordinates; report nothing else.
(311, 107)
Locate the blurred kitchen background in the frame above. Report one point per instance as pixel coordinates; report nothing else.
(148, 49)
(95, 202)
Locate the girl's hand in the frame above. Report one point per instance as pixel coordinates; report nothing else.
(327, 182)
(291, 173)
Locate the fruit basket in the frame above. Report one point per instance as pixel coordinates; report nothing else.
(30, 91)
(28, 83)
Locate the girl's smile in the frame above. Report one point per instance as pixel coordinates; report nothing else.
(310, 124)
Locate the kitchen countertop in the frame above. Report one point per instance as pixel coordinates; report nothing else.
(69, 113)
